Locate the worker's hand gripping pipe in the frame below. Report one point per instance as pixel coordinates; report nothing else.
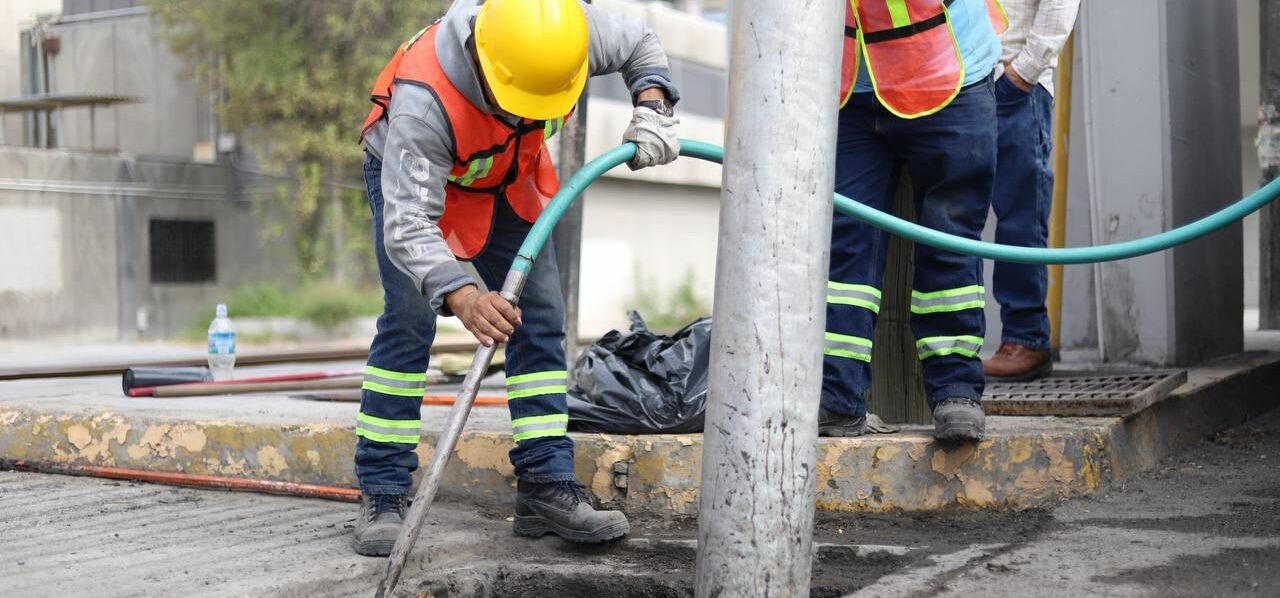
(593, 170)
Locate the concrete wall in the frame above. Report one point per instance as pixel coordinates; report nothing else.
(16, 15)
(124, 55)
(74, 261)
(1161, 126)
(1204, 145)
(73, 7)
(58, 272)
(1247, 25)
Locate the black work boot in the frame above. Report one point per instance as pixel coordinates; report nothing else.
(959, 420)
(564, 509)
(831, 423)
(379, 524)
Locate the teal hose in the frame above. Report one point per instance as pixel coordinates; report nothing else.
(596, 168)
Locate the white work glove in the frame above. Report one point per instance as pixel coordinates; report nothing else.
(655, 138)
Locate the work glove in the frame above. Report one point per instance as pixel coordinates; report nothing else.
(654, 136)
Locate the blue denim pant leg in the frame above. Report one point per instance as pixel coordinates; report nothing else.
(867, 171)
(951, 157)
(389, 422)
(535, 366)
(1022, 201)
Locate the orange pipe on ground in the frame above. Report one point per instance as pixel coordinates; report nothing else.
(189, 480)
(479, 402)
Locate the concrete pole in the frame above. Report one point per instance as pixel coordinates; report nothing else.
(567, 236)
(755, 522)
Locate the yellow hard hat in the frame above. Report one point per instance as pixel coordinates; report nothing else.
(533, 54)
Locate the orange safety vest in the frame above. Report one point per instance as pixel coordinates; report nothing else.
(492, 160)
(914, 61)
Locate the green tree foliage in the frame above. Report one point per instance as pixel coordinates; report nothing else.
(295, 77)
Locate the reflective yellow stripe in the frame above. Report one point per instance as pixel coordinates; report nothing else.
(485, 166)
(537, 384)
(537, 376)
(406, 424)
(391, 390)
(976, 304)
(404, 376)
(471, 174)
(854, 301)
(857, 295)
(848, 347)
(540, 426)
(898, 12)
(844, 338)
(847, 354)
(379, 437)
(969, 290)
(378, 429)
(864, 288)
(534, 392)
(540, 419)
(936, 346)
(521, 437)
(552, 127)
(948, 300)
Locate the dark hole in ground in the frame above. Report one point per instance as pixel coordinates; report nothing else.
(660, 571)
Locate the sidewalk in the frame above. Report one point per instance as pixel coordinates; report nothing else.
(1203, 523)
(1026, 461)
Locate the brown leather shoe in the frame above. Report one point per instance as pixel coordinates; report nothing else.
(1016, 363)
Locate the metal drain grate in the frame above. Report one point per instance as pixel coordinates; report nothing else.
(1082, 393)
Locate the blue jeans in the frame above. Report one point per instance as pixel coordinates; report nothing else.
(951, 157)
(1021, 202)
(389, 422)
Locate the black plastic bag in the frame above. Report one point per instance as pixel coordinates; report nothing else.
(640, 382)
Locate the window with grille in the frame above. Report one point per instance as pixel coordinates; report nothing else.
(183, 251)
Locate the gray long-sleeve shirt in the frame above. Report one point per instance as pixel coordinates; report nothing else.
(417, 150)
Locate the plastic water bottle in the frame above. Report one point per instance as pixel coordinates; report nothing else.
(222, 345)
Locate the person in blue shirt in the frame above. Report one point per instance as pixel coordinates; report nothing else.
(917, 92)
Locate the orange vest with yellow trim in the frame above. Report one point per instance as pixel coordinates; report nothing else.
(492, 160)
(913, 58)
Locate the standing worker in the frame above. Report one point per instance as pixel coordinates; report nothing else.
(457, 169)
(1023, 196)
(916, 91)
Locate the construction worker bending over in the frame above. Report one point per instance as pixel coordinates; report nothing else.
(916, 91)
(457, 169)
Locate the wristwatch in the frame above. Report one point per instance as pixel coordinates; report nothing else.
(662, 107)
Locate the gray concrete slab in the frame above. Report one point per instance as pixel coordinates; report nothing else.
(1201, 524)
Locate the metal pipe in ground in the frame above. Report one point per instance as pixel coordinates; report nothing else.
(417, 514)
(568, 233)
(755, 518)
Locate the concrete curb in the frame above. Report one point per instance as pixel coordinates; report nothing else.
(1026, 462)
